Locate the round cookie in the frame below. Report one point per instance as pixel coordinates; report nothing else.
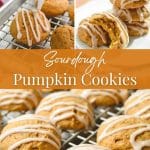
(138, 28)
(71, 12)
(30, 27)
(29, 132)
(52, 8)
(103, 97)
(63, 38)
(116, 29)
(124, 133)
(138, 104)
(19, 99)
(129, 4)
(67, 110)
(88, 147)
(91, 34)
(132, 15)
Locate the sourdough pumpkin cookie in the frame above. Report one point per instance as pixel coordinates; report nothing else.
(115, 28)
(129, 4)
(30, 27)
(138, 104)
(29, 132)
(63, 38)
(67, 110)
(103, 97)
(92, 34)
(124, 133)
(138, 28)
(132, 15)
(88, 147)
(52, 8)
(19, 99)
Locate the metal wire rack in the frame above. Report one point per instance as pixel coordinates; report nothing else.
(8, 42)
(69, 138)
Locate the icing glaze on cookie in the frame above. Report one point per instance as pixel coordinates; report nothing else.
(124, 3)
(40, 21)
(19, 96)
(55, 100)
(40, 128)
(108, 131)
(91, 30)
(139, 145)
(140, 96)
(114, 94)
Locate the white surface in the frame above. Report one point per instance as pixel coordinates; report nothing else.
(96, 6)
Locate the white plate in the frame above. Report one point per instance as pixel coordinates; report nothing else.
(96, 6)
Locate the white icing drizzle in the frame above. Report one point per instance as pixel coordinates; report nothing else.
(40, 128)
(125, 12)
(140, 14)
(91, 30)
(40, 4)
(29, 117)
(124, 3)
(38, 18)
(111, 122)
(26, 97)
(114, 94)
(128, 15)
(123, 29)
(93, 36)
(50, 102)
(139, 145)
(137, 28)
(140, 96)
(88, 147)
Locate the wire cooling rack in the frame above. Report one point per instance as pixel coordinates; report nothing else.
(69, 138)
(8, 42)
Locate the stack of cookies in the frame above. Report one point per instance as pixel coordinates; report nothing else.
(135, 14)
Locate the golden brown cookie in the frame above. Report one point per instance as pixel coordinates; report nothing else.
(138, 28)
(124, 133)
(92, 34)
(71, 12)
(132, 15)
(115, 28)
(88, 147)
(67, 111)
(129, 4)
(29, 132)
(63, 38)
(138, 104)
(19, 99)
(103, 97)
(30, 27)
(52, 8)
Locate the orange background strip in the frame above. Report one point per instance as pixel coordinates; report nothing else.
(31, 63)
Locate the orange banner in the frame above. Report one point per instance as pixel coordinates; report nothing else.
(65, 69)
